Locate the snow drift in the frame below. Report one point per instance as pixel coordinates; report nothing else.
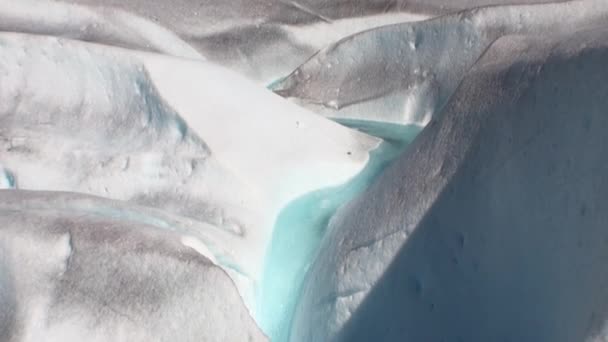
(492, 226)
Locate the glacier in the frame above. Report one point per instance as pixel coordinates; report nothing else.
(303, 170)
(262, 40)
(73, 272)
(491, 226)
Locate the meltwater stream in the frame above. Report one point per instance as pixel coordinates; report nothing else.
(301, 225)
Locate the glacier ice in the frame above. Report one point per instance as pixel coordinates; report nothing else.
(403, 73)
(300, 227)
(260, 39)
(491, 226)
(125, 127)
(153, 188)
(73, 273)
(263, 40)
(110, 26)
(7, 179)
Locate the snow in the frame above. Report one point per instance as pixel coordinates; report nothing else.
(395, 73)
(491, 226)
(69, 274)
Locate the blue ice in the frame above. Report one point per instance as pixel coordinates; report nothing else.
(301, 225)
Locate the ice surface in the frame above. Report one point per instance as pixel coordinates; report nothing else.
(107, 26)
(404, 73)
(491, 227)
(299, 230)
(262, 40)
(73, 273)
(7, 179)
(223, 201)
(157, 131)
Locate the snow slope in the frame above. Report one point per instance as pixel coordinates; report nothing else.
(492, 226)
(83, 268)
(157, 131)
(404, 73)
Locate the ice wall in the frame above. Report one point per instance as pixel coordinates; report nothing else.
(492, 226)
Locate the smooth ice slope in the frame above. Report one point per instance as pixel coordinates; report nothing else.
(492, 225)
(82, 268)
(404, 73)
(159, 132)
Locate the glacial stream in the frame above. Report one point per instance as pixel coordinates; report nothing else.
(301, 225)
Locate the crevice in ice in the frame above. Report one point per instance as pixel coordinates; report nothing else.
(69, 250)
(301, 225)
(7, 179)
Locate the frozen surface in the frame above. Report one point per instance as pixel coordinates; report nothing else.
(263, 40)
(299, 229)
(7, 179)
(83, 268)
(404, 73)
(492, 226)
(152, 187)
(157, 131)
(109, 26)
